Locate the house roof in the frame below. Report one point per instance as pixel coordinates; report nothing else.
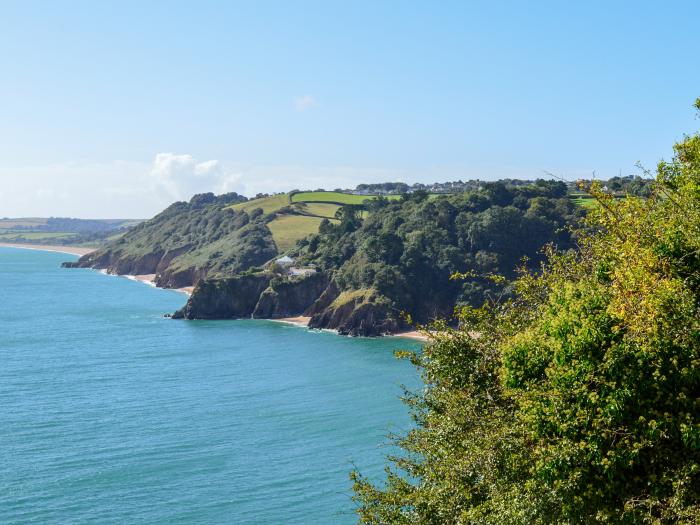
(285, 259)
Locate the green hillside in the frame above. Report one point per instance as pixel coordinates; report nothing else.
(334, 196)
(61, 230)
(288, 229)
(267, 204)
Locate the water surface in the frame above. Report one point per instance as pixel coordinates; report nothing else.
(110, 413)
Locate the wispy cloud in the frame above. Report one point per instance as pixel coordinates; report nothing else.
(304, 102)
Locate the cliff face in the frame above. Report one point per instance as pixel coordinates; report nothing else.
(289, 298)
(226, 298)
(358, 313)
(188, 242)
(260, 296)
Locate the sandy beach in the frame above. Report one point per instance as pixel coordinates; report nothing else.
(297, 321)
(150, 279)
(413, 334)
(304, 322)
(72, 250)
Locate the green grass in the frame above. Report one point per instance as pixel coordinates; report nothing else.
(362, 296)
(588, 203)
(32, 236)
(288, 229)
(331, 196)
(268, 204)
(28, 222)
(321, 209)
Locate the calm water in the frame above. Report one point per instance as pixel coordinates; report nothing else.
(110, 413)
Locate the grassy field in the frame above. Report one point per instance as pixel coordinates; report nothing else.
(268, 204)
(15, 236)
(311, 208)
(333, 196)
(321, 209)
(588, 203)
(288, 229)
(25, 222)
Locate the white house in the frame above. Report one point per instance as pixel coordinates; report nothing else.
(285, 261)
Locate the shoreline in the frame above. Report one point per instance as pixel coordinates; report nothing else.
(58, 248)
(149, 279)
(303, 322)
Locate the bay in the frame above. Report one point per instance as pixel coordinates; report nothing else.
(111, 413)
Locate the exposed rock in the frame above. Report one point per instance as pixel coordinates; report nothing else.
(359, 313)
(324, 301)
(225, 298)
(290, 297)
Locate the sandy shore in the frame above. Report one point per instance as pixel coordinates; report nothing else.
(150, 279)
(413, 334)
(304, 322)
(297, 321)
(72, 250)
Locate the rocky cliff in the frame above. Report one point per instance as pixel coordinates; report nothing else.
(225, 298)
(358, 313)
(187, 242)
(290, 297)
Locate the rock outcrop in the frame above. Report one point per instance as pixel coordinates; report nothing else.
(258, 295)
(226, 298)
(290, 297)
(355, 312)
(358, 313)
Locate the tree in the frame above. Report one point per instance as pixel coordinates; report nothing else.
(579, 400)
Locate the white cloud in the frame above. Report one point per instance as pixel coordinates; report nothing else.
(125, 189)
(178, 177)
(305, 102)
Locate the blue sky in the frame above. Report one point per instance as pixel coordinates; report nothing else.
(116, 109)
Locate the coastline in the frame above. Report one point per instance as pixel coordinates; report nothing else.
(303, 322)
(149, 279)
(59, 248)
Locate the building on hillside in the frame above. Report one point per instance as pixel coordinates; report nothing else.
(285, 261)
(301, 272)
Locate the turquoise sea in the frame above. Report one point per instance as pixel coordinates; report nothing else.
(111, 413)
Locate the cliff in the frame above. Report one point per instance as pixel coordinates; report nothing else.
(225, 298)
(187, 242)
(260, 296)
(290, 297)
(358, 313)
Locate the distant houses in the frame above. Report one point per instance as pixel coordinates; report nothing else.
(287, 264)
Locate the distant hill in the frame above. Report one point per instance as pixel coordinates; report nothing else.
(359, 262)
(62, 230)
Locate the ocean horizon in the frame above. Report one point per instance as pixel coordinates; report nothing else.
(113, 413)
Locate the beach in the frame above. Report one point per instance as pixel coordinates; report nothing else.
(150, 279)
(303, 321)
(72, 250)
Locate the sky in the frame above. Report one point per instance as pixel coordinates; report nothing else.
(116, 109)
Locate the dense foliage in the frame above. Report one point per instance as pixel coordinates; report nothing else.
(579, 400)
(190, 240)
(407, 249)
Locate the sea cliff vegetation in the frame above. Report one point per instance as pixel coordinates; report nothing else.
(577, 399)
(387, 258)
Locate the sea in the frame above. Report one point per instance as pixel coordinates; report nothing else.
(112, 413)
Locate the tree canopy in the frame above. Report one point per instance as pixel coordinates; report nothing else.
(577, 401)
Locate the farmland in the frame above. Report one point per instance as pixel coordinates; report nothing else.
(288, 229)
